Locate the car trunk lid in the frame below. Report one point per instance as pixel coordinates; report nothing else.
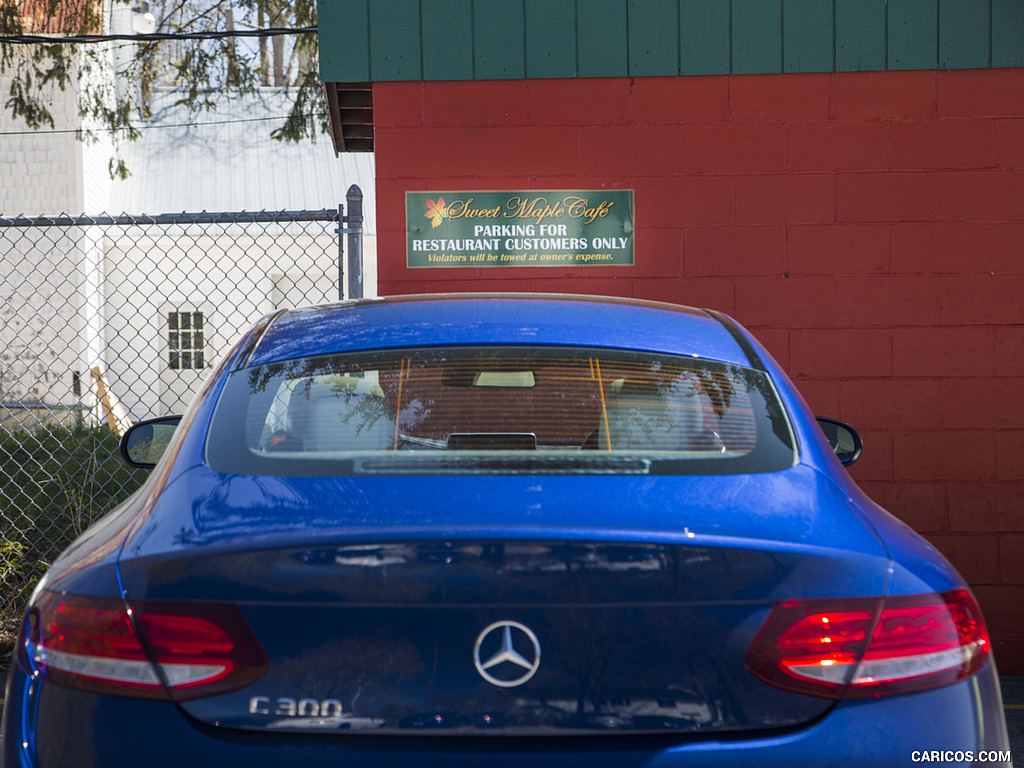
(549, 629)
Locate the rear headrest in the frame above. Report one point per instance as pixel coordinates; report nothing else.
(642, 416)
(347, 414)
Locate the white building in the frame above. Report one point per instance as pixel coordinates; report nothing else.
(154, 307)
(50, 308)
(222, 276)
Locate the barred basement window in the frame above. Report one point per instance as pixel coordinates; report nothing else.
(185, 337)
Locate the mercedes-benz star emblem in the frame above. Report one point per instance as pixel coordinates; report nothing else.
(513, 654)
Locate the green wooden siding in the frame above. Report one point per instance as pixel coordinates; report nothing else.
(1007, 33)
(601, 36)
(963, 35)
(499, 35)
(808, 36)
(344, 41)
(913, 27)
(653, 46)
(447, 48)
(397, 55)
(704, 47)
(860, 35)
(551, 37)
(756, 36)
(373, 40)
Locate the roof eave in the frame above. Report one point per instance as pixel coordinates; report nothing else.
(350, 110)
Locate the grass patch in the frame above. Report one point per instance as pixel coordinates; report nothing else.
(57, 482)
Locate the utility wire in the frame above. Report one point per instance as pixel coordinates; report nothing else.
(144, 127)
(156, 36)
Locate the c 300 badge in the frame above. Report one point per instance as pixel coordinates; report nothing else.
(507, 654)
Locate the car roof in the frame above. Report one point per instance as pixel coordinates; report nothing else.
(474, 318)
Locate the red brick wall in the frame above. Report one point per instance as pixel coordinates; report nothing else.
(868, 227)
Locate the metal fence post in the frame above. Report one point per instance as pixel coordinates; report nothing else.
(355, 241)
(340, 231)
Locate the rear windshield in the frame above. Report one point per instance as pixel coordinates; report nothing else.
(498, 410)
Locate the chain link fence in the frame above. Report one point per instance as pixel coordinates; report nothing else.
(108, 320)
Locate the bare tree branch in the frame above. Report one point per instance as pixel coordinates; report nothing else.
(199, 47)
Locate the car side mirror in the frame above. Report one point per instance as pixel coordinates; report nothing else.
(144, 443)
(843, 438)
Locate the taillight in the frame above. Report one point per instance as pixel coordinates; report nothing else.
(92, 643)
(862, 647)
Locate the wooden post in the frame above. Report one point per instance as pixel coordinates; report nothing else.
(113, 411)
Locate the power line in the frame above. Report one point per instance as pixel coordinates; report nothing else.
(156, 36)
(144, 127)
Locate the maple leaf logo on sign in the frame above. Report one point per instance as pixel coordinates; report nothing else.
(437, 212)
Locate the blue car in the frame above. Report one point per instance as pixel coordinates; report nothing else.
(500, 530)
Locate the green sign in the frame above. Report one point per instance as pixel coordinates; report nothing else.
(564, 228)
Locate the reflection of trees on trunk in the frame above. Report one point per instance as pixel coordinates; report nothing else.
(594, 644)
(700, 667)
(366, 671)
(679, 658)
